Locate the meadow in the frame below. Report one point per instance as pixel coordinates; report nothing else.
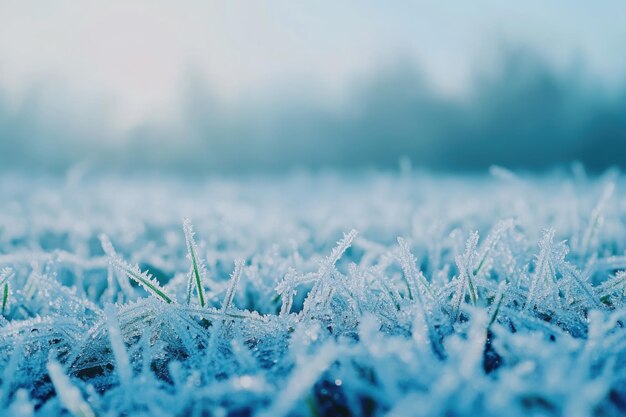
(315, 294)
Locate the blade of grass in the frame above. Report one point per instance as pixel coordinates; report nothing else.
(142, 278)
(5, 274)
(69, 396)
(5, 297)
(196, 264)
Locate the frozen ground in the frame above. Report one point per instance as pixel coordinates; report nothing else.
(491, 295)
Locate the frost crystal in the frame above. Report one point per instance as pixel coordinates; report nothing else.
(504, 295)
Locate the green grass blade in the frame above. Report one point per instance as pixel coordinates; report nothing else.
(142, 278)
(196, 265)
(5, 297)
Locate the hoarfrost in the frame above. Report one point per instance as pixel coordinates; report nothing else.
(265, 315)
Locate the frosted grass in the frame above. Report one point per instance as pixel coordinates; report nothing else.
(376, 295)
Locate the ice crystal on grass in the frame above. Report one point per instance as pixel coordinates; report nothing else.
(146, 280)
(198, 271)
(483, 296)
(69, 396)
(5, 274)
(465, 279)
(122, 363)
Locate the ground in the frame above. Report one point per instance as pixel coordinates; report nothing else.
(313, 294)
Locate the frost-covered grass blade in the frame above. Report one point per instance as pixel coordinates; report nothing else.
(197, 267)
(146, 280)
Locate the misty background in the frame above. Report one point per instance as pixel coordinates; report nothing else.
(234, 87)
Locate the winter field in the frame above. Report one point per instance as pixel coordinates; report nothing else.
(379, 294)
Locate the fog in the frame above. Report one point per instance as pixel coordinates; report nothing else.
(238, 88)
(523, 114)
